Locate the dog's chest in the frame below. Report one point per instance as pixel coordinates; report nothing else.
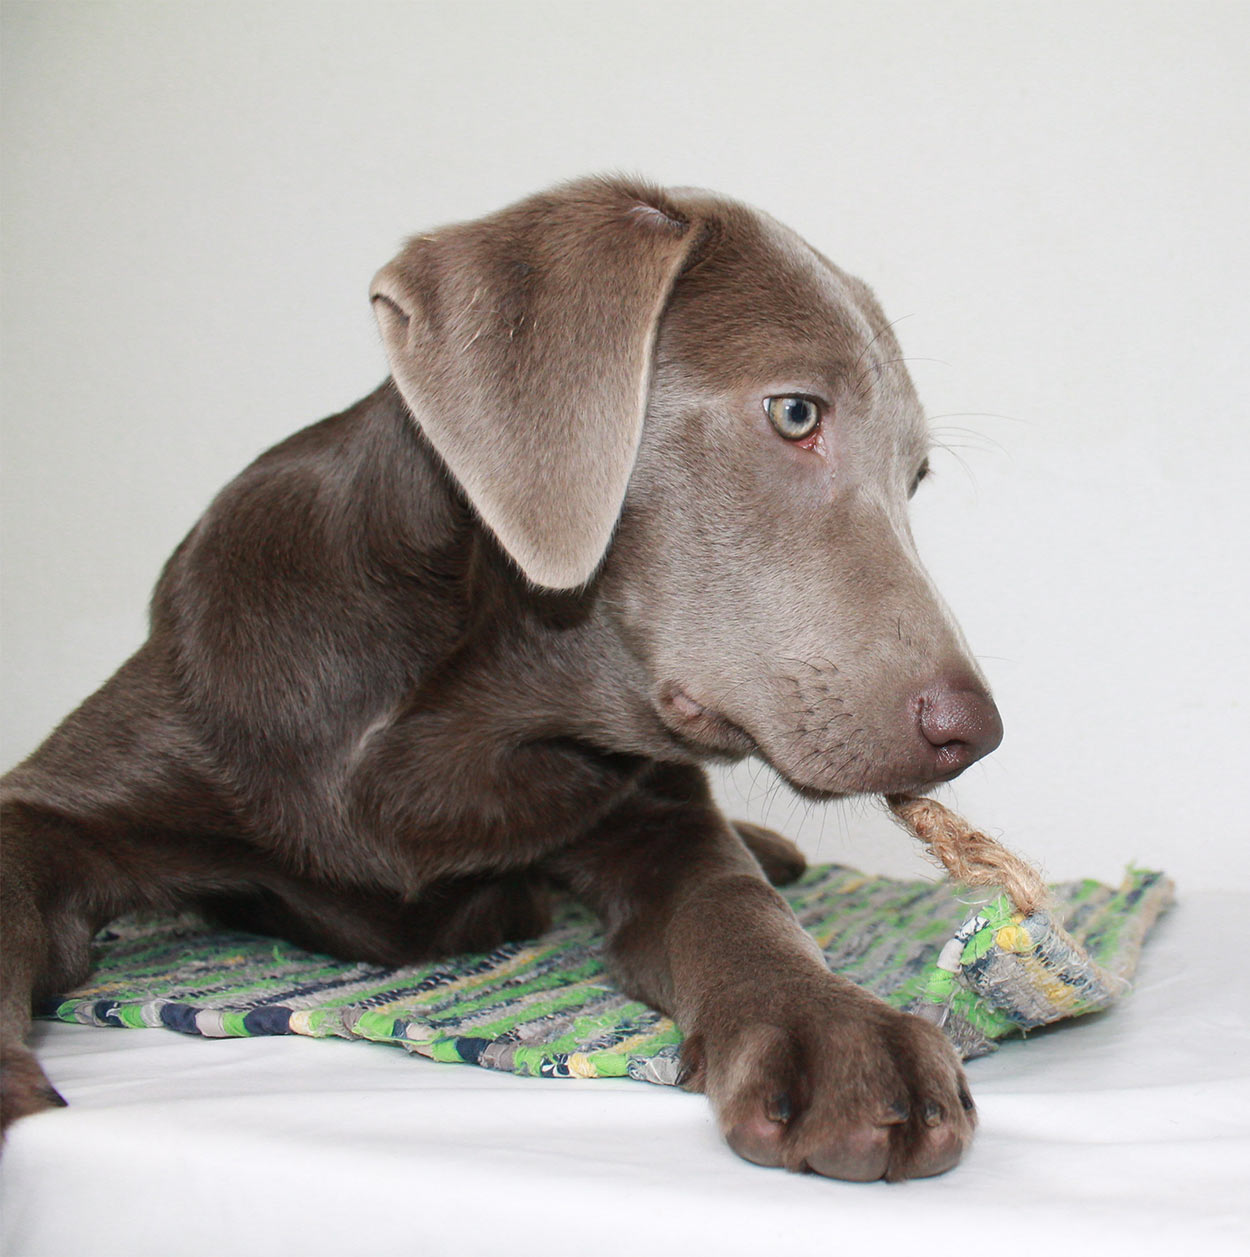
(452, 801)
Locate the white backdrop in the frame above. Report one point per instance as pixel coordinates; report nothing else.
(1052, 194)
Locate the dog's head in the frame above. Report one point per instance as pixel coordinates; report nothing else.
(673, 396)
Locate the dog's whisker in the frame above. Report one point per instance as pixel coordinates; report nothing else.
(963, 462)
(881, 332)
(977, 414)
(973, 439)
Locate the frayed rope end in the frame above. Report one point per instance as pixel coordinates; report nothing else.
(968, 855)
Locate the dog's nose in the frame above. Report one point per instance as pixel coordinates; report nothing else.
(960, 722)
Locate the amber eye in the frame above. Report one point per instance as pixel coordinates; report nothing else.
(793, 417)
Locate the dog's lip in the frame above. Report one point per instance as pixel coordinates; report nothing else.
(684, 705)
(700, 725)
(697, 722)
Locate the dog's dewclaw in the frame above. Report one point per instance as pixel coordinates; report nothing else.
(968, 855)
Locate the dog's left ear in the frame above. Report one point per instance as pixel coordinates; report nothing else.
(522, 345)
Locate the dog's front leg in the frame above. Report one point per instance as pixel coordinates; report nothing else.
(803, 1068)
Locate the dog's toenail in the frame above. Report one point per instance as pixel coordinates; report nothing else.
(778, 1109)
(966, 1100)
(932, 1114)
(897, 1112)
(53, 1096)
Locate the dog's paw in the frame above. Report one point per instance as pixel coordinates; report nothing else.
(818, 1075)
(24, 1088)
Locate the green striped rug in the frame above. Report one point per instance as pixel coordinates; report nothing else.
(548, 1007)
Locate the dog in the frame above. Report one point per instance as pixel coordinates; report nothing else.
(632, 499)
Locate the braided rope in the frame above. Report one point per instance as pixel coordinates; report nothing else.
(968, 855)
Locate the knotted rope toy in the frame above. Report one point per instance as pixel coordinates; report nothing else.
(969, 856)
(1011, 951)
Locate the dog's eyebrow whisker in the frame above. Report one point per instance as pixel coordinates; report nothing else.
(860, 387)
(878, 334)
(978, 414)
(888, 362)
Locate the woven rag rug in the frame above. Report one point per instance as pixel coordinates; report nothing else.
(548, 1007)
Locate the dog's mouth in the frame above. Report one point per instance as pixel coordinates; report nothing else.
(708, 732)
(703, 728)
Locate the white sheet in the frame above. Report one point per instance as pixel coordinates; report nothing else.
(1129, 1133)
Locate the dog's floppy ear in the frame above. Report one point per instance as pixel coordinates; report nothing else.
(522, 345)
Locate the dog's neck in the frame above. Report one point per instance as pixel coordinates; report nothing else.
(521, 672)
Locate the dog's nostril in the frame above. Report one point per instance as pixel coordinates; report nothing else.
(960, 721)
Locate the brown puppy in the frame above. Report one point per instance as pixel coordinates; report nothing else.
(635, 498)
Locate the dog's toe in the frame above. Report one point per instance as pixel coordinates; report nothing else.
(833, 1081)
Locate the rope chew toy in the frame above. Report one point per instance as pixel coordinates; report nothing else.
(1012, 951)
(968, 855)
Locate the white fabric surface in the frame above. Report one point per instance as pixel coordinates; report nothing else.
(1128, 1133)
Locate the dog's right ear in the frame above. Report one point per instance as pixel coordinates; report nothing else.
(522, 345)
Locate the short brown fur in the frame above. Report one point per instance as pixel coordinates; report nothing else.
(470, 641)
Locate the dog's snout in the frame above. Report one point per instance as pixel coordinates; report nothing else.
(959, 720)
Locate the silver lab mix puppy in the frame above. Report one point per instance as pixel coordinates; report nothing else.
(634, 498)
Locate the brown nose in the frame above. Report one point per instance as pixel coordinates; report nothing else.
(960, 722)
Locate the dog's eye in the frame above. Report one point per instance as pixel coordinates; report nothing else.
(921, 473)
(793, 417)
